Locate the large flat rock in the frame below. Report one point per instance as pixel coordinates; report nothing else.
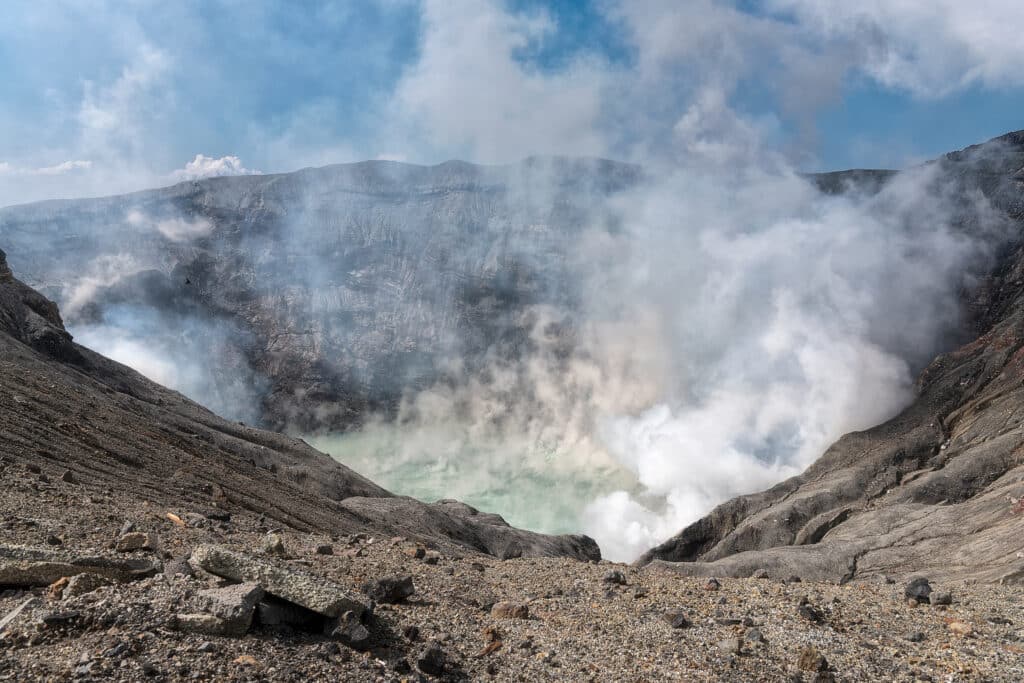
(294, 585)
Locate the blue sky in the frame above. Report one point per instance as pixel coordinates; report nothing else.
(106, 96)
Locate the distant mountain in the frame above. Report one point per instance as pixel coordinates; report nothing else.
(324, 293)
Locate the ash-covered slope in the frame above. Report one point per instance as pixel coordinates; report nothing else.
(934, 490)
(65, 409)
(306, 300)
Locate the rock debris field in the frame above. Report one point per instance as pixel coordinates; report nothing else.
(103, 586)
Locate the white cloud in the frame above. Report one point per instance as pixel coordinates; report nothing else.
(114, 118)
(468, 95)
(208, 167)
(931, 48)
(57, 169)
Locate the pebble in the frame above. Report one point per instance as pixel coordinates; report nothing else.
(614, 576)
(676, 619)
(432, 661)
(273, 544)
(918, 589)
(135, 540)
(390, 590)
(510, 610)
(731, 645)
(811, 660)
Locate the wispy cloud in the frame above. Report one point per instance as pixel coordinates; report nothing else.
(57, 169)
(208, 167)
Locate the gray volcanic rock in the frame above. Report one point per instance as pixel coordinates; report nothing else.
(293, 585)
(28, 566)
(929, 491)
(65, 408)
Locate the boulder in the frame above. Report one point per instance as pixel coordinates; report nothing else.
(234, 604)
(300, 587)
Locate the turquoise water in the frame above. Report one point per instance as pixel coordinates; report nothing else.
(536, 486)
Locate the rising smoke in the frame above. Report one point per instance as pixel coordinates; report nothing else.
(701, 331)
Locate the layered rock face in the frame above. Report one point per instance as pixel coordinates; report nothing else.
(65, 408)
(937, 488)
(330, 291)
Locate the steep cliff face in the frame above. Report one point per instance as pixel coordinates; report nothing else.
(936, 488)
(327, 291)
(64, 408)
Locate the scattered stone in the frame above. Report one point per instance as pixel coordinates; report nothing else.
(755, 636)
(810, 613)
(54, 540)
(58, 618)
(196, 521)
(432, 661)
(68, 477)
(175, 519)
(811, 660)
(80, 584)
(712, 584)
(206, 647)
(302, 588)
(614, 576)
(56, 589)
(793, 579)
(218, 515)
(202, 623)
(272, 544)
(127, 527)
(944, 598)
(510, 610)
(918, 589)
(325, 549)
(135, 540)
(761, 574)
(390, 590)
(915, 637)
(731, 645)
(432, 557)
(416, 553)
(246, 660)
(676, 619)
(960, 628)
(411, 633)
(178, 566)
(350, 630)
(235, 605)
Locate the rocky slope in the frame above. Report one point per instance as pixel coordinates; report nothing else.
(935, 489)
(70, 412)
